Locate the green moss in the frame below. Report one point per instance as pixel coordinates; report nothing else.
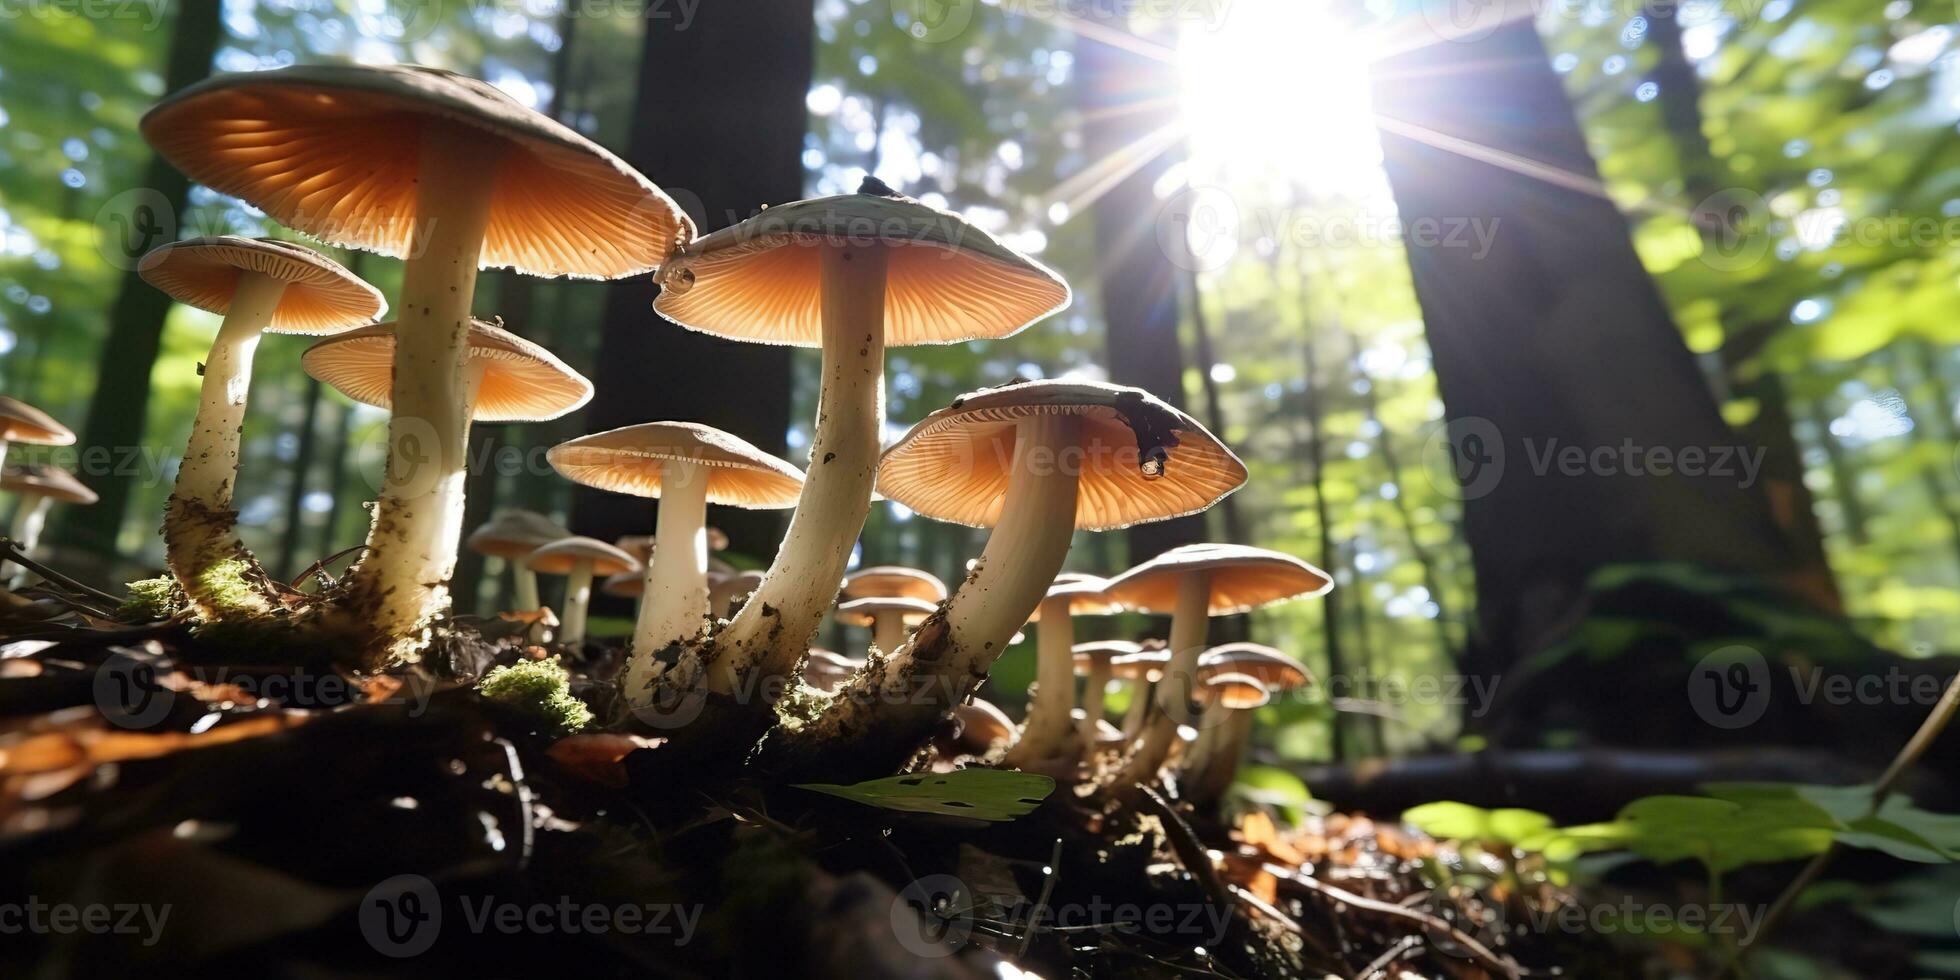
(151, 599)
(800, 705)
(224, 586)
(541, 688)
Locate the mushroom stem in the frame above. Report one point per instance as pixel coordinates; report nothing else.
(1190, 625)
(888, 710)
(198, 520)
(1047, 727)
(29, 518)
(1220, 763)
(675, 600)
(888, 631)
(1140, 694)
(578, 596)
(1092, 700)
(400, 586)
(524, 585)
(1210, 729)
(773, 629)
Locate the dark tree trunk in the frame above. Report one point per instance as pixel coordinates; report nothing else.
(296, 490)
(120, 406)
(749, 109)
(1139, 284)
(1214, 403)
(1549, 337)
(1338, 674)
(1703, 177)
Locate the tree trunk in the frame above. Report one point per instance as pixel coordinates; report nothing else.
(1338, 674)
(1214, 403)
(119, 408)
(1138, 282)
(750, 110)
(289, 565)
(1550, 339)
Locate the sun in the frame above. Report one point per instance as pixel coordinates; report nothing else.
(1279, 88)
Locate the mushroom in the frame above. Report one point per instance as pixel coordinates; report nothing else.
(21, 422)
(1228, 699)
(511, 535)
(1225, 728)
(850, 274)
(1143, 669)
(39, 487)
(1094, 662)
(1049, 716)
(727, 595)
(1034, 460)
(625, 585)
(975, 729)
(258, 285)
(449, 174)
(877, 581)
(579, 559)
(890, 618)
(1194, 583)
(825, 670)
(687, 466)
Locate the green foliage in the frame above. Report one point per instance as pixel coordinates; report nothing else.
(151, 599)
(540, 688)
(226, 586)
(1274, 788)
(1461, 821)
(976, 794)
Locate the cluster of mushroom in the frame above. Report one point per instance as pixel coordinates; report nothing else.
(36, 487)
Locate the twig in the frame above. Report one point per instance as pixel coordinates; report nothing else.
(9, 551)
(1395, 952)
(320, 567)
(1041, 902)
(1477, 951)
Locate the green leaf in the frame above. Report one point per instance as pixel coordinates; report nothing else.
(1461, 821)
(976, 794)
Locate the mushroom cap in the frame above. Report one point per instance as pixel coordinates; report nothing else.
(561, 556)
(1271, 667)
(1104, 651)
(626, 585)
(893, 580)
(954, 465)
(825, 670)
(1243, 578)
(864, 612)
(947, 281)
(732, 587)
(522, 382)
(981, 725)
(1084, 594)
(1235, 691)
(333, 151)
(1146, 664)
(515, 533)
(632, 460)
(21, 422)
(46, 481)
(638, 545)
(717, 539)
(321, 296)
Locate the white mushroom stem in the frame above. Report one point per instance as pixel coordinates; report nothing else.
(1140, 694)
(578, 597)
(1219, 763)
(1092, 700)
(773, 629)
(1046, 731)
(198, 521)
(674, 603)
(1211, 726)
(1190, 625)
(400, 586)
(29, 518)
(524, 585)
(888, 631)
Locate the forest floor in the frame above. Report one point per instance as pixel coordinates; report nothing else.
(234, 815)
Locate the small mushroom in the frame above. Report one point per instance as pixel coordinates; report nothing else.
(1222, 739)
(1194, 583)
(451, 175)
(975, 729)
(729, 593)
(1229, 700)
(259, 285)
(625, 585)
(1094, 662)
(889, 618)
(1143, 669)
(511, 535)
(39, 487)
(21, 422)
(579, 559)
(878, 581)
(687, 466)
(1046, 733)
(825, 670)
(850, 274)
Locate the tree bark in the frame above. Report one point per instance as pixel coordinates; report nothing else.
(1139, 283)
(750, 110)
(1549, 338)
(119, 408)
